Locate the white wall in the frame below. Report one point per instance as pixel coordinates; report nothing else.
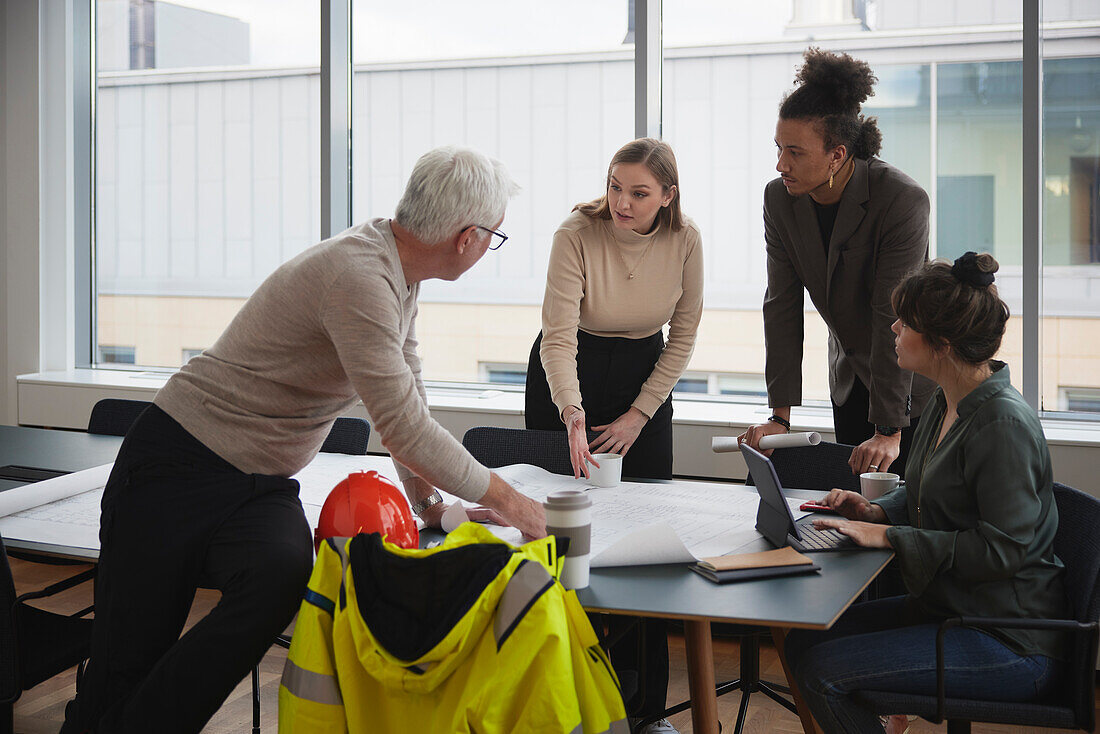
(19, 197)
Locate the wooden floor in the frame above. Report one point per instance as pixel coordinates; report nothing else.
(41, 710)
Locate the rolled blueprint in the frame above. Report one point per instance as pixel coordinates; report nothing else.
(27, 496)
(725, 444)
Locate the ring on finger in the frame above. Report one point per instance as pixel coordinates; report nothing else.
(873, 467)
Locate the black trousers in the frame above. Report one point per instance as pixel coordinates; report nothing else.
(852, 427)
(175, 517)
(611, 371)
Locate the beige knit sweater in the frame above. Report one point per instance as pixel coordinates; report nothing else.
(331, 326)
(588, 287)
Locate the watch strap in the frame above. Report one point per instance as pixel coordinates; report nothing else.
(781, 421)
(886, 430)
(433, 499)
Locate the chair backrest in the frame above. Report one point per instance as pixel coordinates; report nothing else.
(9, 671)
(1078, 545)
(824, 466)
(495, 447)
(113, 416)
(347, 436)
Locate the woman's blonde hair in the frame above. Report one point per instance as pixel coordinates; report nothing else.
(661, 162)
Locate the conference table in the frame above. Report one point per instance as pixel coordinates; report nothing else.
(812, 601)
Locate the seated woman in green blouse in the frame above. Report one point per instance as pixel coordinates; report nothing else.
(973, 526)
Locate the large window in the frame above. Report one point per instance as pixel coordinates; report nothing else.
(207, 165)
(208, 157)
(1071, 234)
(526, 83)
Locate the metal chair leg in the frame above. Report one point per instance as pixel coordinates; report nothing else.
(770, 691)
(256, 700)
(742, 712)
(747, 684)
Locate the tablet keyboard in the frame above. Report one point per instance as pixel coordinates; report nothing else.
(819, 539)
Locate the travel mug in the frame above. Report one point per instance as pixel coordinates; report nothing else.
(569, 515)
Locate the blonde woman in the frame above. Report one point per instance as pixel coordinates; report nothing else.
(621, 268)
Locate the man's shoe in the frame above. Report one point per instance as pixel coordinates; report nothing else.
(661, 726)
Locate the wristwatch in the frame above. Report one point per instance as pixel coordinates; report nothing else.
(886, 430)
(432, 499)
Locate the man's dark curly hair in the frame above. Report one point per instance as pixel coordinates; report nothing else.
(831, 89)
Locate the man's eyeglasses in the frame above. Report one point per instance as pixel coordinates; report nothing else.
(494, 244)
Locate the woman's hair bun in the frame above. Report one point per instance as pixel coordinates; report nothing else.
(975, 270)
(849, 82)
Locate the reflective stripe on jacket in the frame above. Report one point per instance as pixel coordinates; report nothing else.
(472, 636)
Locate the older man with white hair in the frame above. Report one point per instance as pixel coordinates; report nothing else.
(200, 492)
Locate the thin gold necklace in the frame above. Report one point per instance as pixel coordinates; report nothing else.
(630, 271)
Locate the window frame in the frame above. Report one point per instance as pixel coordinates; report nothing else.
(336, 180)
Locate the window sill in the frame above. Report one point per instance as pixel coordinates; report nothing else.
(64, 399)
(142, 385)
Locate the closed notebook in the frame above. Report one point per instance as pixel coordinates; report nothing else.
(784, 561)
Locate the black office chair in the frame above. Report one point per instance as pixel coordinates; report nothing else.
(1073, 706)
(114, 416)
(824, 466)
(495, 447)
(36, 644)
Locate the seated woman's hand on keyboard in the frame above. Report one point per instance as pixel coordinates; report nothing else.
(866, 534)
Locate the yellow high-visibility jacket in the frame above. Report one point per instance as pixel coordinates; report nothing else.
(472, 636)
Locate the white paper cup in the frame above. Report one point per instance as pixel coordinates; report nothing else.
(610, 470)
(874, 484)
(569, 515)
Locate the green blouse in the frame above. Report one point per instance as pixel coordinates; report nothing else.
(974, 522)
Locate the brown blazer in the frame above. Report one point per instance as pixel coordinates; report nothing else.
(880, 235)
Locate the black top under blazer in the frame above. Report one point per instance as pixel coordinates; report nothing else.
(880, 235)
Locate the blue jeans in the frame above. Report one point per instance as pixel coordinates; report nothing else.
(888, 646)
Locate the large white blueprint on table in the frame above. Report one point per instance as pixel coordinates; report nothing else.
(633, 524)
(640, 523)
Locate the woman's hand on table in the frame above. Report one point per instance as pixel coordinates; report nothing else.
(618, 436)
(579, 455)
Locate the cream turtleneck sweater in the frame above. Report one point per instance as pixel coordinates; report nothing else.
(588, 287)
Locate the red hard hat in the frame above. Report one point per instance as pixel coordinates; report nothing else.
(367, 502)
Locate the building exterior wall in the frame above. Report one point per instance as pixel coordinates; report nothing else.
(457, 339)
(207, 180)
